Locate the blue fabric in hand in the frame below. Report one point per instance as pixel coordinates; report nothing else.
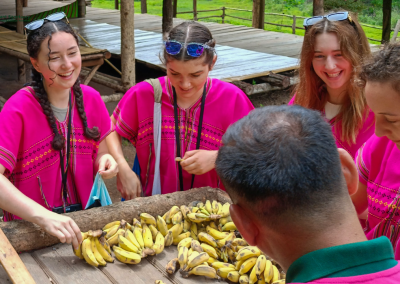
(99, 193)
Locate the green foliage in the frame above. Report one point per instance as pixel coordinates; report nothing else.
(355, 6)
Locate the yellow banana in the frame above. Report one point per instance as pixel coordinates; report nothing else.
(185, 210)
(159, 243)
(204, 211)
(268, 271)
(259, 267)
(185, 243)
(112, 231)
(211, 260)
(217, 265)
(165, 215)
(213, 225)
(247, 265)
(224, 256)
(253, 276)
(227, 240)
(112, 224)
(127, 257)
(198, 217)
(195, 209)
(200, 228)
(225, 210)
(195, 245)
(88, 253)
(172, 212)
(125, 244)
(170, 225)
(186, 225)
(230, 226)
(276, 274)
(281, 281)
(147, 237)
(100, 248)
(223, 271)
(96, 253)
(176, 230)
(248, 252)
(171, 266)
(114, 239)
(177, 218)
(105, 244)
(153, 231)
(162, 226)
(78, 252)
(231, 254)
(208, 207)
(203, 270)
(261, 281)
(225, 220)
(181, 237)
(209, 250)
(168, 239)
(215, 233)
(244, 279)
(233, 276)
(131, 237)
(183, 256)
(197, 260)
(215, 207)
(137, 232)
(206, 238)
(239, 242)
(239, 263)
(136, 222)
(159, 282)
(148, 219)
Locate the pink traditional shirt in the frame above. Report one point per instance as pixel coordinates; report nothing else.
(31, 163)
(378, 164)
(365, 132)
(224, 105)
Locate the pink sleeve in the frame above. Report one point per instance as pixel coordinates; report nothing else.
(11, 125)
(363, 162)
(291, 102)
(126, 113)
(243, 106)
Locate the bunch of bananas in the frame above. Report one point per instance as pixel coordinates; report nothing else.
(208, 245)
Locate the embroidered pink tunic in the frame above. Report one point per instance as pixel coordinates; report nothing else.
(365, 132)
(31, 162)
(224, 105)
(378, 163)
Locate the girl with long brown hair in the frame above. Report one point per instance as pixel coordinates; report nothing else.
(334, 48)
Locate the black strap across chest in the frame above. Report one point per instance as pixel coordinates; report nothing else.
(177, 132)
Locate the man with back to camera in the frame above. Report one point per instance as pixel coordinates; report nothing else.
(290, 188)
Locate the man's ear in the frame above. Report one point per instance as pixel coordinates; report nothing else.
(35, 64)
(213, 62)
(244, 223)
(349, 171)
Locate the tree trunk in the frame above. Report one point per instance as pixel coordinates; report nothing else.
(25, 236)
(194, 10)
(143, 6)
(25, 4)
(175, 9)
(258, 14)
(387, 16)
(167, 20)
(318, 7)
(127, 44)
(81, 8)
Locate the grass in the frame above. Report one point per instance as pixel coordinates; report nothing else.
(300, 8)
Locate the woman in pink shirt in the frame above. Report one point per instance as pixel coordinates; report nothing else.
(52, 135)
(378, 161)
(189, 98)
(334, 47)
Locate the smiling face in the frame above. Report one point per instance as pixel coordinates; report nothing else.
(60, 68)
(330, 65)
(188, 77)
(384, 101)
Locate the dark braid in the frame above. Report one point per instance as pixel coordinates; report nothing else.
(35, 39)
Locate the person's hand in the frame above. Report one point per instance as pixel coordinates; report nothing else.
(128, 184)
(199, 162)
(108, 167)
(62, 227)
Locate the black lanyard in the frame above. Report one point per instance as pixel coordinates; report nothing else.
(64, 174)
(178, 134)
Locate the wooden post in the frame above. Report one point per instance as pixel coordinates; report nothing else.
(127, 44)
(223, 15)
(194, 10)
(20, 29)
(167, 20)
(81, 8)
(175, 9)
(258, 14)
(386, 23)
(25, 4)
(143, 6)
(294, 25)
(318, 7)
(116, 4)
(396, 31)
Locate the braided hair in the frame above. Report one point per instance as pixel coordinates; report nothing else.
(35, 39)
(187, 32)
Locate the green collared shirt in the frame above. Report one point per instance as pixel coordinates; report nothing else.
(343, 261)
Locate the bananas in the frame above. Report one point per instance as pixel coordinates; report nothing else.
(202, 270)
(206, 238)
(126, 256)
(171, 266)
(158, 246)
(183, 256)
(148, 219)
(162, 226)
(88, 253)
(209, 250)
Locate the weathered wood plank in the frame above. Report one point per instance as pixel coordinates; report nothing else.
(34, 268)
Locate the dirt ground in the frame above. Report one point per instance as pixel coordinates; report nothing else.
(8, 81)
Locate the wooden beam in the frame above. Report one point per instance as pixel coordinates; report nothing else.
(396, 31)
(258, 14)
(20, 29)
(386, 20)
(91, 74)
(127, 44)
(143, 6)
(194, 10)
(318, 7)
(81, 8)
(12, 263)
(25, 3)
(167, 20)
(175, 8)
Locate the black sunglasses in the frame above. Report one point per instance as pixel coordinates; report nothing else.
(334, 17)
(58, 16)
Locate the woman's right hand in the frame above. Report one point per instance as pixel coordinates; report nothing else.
(128, 183)
(62, 227)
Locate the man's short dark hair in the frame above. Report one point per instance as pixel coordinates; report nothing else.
(284, 155)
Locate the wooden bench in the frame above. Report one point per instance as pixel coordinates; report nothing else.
(14, 44)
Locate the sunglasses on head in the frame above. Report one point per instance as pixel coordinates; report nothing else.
(334, 17)
(50, 18)
(193, 49)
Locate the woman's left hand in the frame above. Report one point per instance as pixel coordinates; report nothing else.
(199, 162)
(108, 167)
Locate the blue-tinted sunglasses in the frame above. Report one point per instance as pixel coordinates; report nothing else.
(193, 49)
(339, 16)
(58, 16)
